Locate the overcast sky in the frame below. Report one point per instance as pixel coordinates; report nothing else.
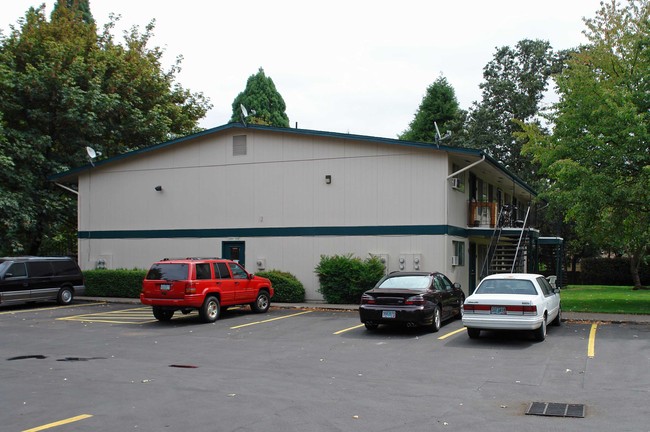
(352, 66)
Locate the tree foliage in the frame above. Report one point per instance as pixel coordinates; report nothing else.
(63, 87)
(439, 107)
(515, 82)
(598, 157)
(262, 101)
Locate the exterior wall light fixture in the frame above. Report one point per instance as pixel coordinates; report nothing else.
(158, 188)
(328, 179)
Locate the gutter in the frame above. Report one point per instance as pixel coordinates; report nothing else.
(466, 168)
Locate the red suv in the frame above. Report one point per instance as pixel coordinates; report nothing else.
(207, 284)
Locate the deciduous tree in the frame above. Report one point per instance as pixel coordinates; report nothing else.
(63, 87)
(598, 157)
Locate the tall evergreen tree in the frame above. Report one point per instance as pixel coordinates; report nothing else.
(439, 107)
(263, 102)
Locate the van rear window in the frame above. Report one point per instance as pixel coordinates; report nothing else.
(170, 272)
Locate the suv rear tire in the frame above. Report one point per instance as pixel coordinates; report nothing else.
(210, 310)
(261, 303)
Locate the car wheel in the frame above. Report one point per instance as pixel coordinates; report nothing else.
(261, 303)
(65, 296)
(558, 319)
(371, 326)
(162, 314)
(540, 333)
(210, 310)
(473, 333)
(437, 319)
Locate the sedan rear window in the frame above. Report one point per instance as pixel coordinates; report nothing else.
(406, 282)
(506, 286)
(170, 272)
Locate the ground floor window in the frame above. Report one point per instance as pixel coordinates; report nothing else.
(459, 253)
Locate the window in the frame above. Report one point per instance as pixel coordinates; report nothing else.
(238, 272)
(459, 251)
(221, 271)
(203, 271)
(239, 145)
(168, 272)
(16, 270)
(40, 269)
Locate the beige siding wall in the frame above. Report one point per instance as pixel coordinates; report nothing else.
(279, 183)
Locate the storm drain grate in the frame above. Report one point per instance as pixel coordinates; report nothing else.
(556, 409)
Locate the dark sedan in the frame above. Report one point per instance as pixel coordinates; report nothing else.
(411, 298)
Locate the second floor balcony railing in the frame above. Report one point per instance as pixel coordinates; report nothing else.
(488, 214)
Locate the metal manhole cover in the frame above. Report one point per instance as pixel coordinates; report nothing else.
(556, 409)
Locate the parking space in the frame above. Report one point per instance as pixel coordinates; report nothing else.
(113, 367)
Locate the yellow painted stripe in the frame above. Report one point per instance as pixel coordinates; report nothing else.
(450, 334)
(348, 329)
(269, 320)
(50, 308)
(59, 423)
(592, 341)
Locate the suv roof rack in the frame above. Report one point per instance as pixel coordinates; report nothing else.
(189, 258)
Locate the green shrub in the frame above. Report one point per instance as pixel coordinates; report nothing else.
(114, 283)
(288, 289)
(343, 279)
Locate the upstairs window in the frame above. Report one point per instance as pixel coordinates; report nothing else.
(239, 145)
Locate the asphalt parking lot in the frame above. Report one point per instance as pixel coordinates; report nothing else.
(112, 367)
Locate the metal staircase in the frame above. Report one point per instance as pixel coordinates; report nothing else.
(508, 248)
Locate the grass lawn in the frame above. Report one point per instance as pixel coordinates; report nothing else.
(605, 299)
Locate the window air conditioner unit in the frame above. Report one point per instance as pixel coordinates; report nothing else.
(454, 260)
(455, 182)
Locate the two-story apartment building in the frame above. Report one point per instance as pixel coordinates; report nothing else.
(276, 198)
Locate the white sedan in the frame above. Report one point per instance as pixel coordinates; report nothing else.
(512, 301)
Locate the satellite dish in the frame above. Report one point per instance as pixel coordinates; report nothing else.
(92, 154)
(244, 113)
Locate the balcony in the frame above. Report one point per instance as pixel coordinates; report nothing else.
(485, 214)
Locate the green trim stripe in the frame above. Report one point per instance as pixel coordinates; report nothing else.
(278, 232)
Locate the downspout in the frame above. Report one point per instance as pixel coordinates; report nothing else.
(67, 188)
(466, 168)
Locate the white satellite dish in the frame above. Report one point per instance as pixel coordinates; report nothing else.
(92, 154)
(244, 113)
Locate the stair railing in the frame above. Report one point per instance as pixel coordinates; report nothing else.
(521, 235)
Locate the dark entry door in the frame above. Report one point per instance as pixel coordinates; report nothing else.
(234, 250)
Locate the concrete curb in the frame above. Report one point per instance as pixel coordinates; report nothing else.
(566, 316)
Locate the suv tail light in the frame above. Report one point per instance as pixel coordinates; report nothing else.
(190, 288)
(367, 299)
(415, 300)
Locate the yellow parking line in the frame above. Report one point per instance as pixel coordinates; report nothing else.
(59, 423)
(269, 320)
(51, 308)
(450, 334)
(592, 341)
(348, 329)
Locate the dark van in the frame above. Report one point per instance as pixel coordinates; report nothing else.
(30, 279)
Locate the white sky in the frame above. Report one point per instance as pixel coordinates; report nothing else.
(357, 66)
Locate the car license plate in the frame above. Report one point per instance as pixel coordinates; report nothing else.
(498, 310)
(388, 314)
(165, 287)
